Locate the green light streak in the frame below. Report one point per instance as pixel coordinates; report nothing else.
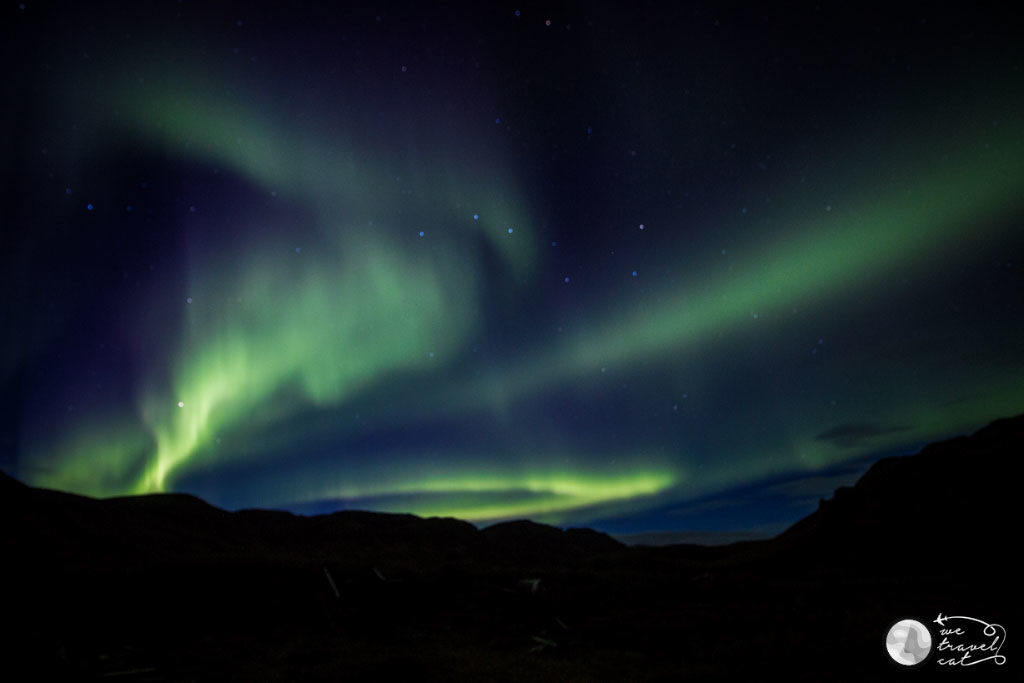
(324, 331)
(98, 457)
(324, 161)
(368, 309)
(948, 209)
(552, 493)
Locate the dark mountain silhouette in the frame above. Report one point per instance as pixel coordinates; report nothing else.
(942, 504)
(167, 587)
(528, 543)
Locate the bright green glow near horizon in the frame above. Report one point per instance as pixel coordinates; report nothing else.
(324, 331)
(94, 459)
(550, 492)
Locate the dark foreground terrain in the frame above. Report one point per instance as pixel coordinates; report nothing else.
(168, 588)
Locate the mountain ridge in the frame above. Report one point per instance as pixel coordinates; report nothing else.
(187, 591)
(873, 483)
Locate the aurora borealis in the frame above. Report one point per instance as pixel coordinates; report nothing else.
(636, 269)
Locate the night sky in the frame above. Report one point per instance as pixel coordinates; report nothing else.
(636, 268)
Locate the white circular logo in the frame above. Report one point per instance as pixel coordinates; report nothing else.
(909, 642)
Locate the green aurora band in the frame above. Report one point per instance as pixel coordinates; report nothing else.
(363, 306)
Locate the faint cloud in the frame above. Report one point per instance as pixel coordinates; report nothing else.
(857, 434)
(808, 488)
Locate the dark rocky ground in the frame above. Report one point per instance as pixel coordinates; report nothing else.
(169, 588)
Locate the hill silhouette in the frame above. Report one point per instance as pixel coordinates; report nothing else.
(952, 495)
(167, 587)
